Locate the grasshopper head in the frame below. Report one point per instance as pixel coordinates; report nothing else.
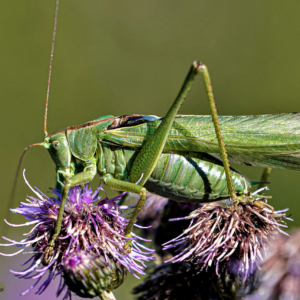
(59, 149)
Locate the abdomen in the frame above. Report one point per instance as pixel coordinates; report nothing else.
(193, 177)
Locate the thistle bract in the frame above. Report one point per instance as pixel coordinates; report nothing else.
(90, 224)
(231, 283)
(89, 275)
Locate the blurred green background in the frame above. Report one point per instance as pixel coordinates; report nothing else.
(124, 57)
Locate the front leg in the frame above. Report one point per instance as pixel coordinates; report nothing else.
(78, 179)
(124, 186)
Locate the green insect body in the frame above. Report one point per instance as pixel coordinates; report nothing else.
(183, 176)
(264, 140)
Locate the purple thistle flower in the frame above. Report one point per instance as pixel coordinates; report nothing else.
(98, 229)
(217, 234)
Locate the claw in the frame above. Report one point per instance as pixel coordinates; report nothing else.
(127, 247)
(48, 254)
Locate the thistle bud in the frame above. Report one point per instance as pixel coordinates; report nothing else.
(231, 281)
(89, 275)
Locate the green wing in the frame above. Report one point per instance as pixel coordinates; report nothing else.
(263, 140)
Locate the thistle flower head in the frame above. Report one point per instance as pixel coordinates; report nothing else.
(89, 275)
(98, 229)
(281, 270)
(176, 281)
(217, 234)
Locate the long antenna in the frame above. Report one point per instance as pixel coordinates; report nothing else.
(19, 166)
(12, 195)
(50, 67)
(13, 191)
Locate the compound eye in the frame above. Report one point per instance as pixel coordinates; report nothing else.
(56, 145)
